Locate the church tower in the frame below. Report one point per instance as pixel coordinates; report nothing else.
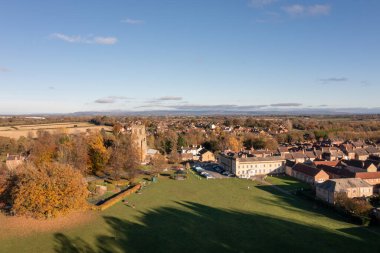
(139, 136)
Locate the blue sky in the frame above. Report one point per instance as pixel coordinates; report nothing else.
(76, 55)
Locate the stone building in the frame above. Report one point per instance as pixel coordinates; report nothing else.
(353, 187)
(246, 167)
(139, 136)
(13, 161)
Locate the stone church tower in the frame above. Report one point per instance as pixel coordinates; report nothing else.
(139, 136)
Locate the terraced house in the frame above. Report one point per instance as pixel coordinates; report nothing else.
(246, 167)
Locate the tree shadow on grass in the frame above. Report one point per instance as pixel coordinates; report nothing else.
(200, 228)
(298, 202)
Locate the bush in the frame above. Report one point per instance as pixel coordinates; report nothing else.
(92, 186)
(46, 191)
(357, 206)
(111, 187)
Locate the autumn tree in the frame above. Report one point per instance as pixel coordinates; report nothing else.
(124, 158)
(357, 206)
(254, 142)
(271, 144)
(98, 153)
(47, 191)
(3, 184)
(117, 128)
(43, 149)
(174, 156)
(233, 143)
(73, 150)
(158, 162)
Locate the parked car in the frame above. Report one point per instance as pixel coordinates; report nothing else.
(208, 176)
(225, 173)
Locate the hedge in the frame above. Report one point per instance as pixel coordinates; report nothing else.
(118, 197)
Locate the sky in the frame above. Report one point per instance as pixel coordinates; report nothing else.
(136, 55)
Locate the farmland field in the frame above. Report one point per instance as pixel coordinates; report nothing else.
(220, 215)
(25, 130)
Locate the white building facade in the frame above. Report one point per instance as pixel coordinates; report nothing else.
(252, 166)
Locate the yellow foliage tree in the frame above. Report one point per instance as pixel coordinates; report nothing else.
(47, 191)
(233, 143)
(98, 153)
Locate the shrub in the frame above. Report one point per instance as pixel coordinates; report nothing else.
(357, 206)
(111, 187)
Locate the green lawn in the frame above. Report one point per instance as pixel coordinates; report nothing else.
(287, 183)
(206, 216)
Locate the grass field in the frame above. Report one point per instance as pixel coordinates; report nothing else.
(204, 216)
(70, 127)
(287, 183)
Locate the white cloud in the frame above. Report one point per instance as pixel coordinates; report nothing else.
(333, 80)
(67, 38)
(133, 21)
(85, 40)
(260, 3)
(307, 10)
(319, 9)
(286, 105)
(295, 9)
(105, 40)
(168, 98)
(3, 69)
(111, 99)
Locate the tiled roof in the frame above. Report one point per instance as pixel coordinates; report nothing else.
(306, 169)
(342, 184)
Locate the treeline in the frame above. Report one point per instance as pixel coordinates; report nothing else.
(52, 180)
(171, 141)
(22, 120)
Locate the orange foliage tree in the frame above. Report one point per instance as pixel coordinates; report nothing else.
(43, 148)
(47, 191)
(233, 143)
(98, 153)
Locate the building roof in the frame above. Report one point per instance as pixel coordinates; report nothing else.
(288, 156)
(298, 155)
(261, 159)
(360, 151)
(328, 163)
(203, 151)
(342, 184)
(372, 150)
(358, 144)
(310, 154)
(336, 171)
(283, 149)
(367, 175)
(306, 169)
(14, 157)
